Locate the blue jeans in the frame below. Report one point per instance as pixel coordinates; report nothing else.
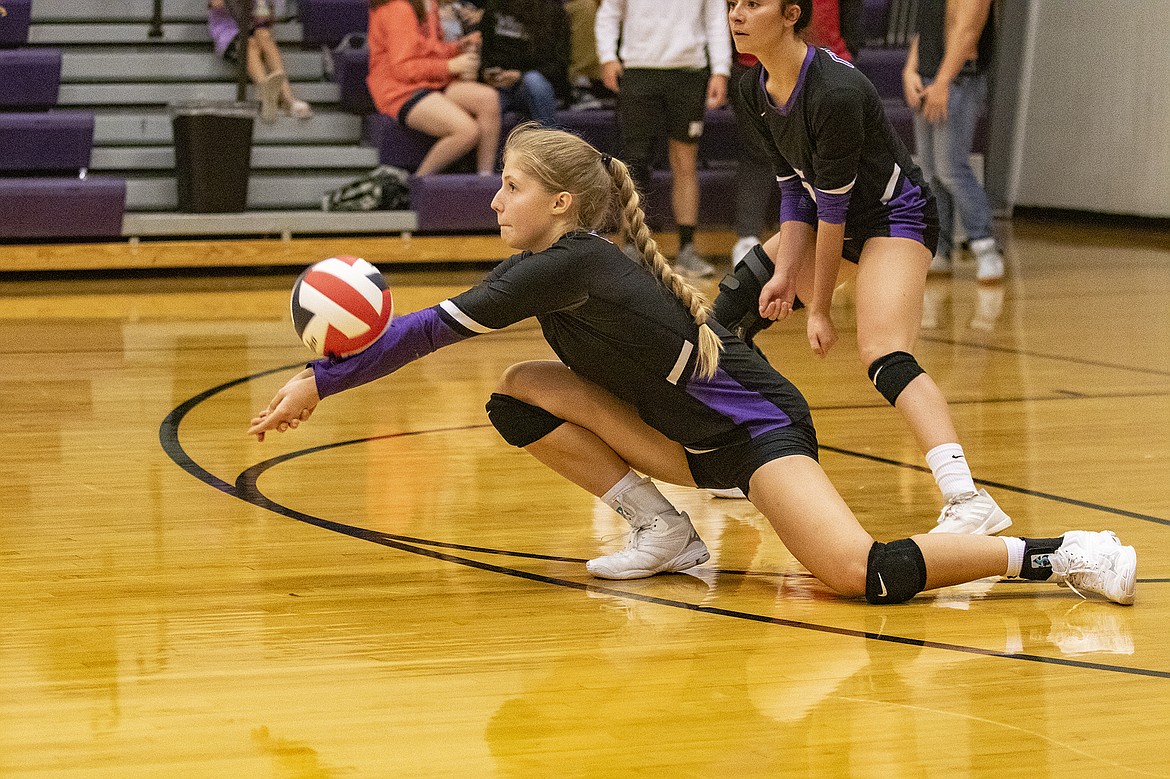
(944, 151)
(532, 95)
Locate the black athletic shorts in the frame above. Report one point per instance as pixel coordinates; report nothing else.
(733, 466)
(926, 223)
(650, 97)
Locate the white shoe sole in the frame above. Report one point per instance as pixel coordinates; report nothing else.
(996, 523)
(695, 554)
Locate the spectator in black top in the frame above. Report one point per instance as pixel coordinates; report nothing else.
(526, 55)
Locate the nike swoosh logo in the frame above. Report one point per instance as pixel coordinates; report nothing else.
(882, 582)
(956, 457)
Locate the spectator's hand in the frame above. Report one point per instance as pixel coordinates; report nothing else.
(934, 102)
(821, 333)
(294, 403)
(509, 77)
(716, 90)
(610, 73)
(465, 65)
(470, 14)
(215, 3)
(912, 89)
(471, 42)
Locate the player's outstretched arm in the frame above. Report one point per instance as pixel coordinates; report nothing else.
(293, 403)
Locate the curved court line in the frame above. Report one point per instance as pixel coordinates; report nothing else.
(245, 489)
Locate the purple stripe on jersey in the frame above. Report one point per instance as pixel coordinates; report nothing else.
(738, 403)
(795, 203)
(831, 207)
(907, 212)
(406, 339)
(787, 109)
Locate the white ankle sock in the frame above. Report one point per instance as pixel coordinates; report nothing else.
(949, 466)
(1015, 550)
(637, 494)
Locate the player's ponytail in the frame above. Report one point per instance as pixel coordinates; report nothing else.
(633, 224)
(563, 162)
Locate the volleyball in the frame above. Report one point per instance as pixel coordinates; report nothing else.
(340, 306)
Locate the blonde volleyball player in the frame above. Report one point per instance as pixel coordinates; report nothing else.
(647, 384)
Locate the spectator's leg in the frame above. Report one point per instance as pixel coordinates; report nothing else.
(540, 101)
(483, 103)
(953, 155)
(456, 130)
(684, 195)
(639, 118)
(926, 139)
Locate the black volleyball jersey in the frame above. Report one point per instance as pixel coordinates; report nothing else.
(610, 321)
(833, 135)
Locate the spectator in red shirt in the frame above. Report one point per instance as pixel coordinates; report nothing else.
(429, 85)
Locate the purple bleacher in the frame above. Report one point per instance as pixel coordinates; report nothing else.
(720, 140)
(461, 202)
(883, 67)
(350, 67)
(454, 202)
(326, 22)
(14, 22)
(30, 78)
(61, 207)
(716, 199)
(397, 145)
(48, 141)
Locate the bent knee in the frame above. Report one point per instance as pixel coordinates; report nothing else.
(523, 379)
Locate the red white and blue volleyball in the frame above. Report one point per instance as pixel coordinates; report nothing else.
(340, 306)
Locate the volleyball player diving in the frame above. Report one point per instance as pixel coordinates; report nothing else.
(849, 191)
(647, 383)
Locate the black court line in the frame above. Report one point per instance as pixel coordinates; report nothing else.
(245, 489)
(1043, 355)
(1003, 486)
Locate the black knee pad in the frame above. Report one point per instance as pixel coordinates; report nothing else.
(520, 423)
(892, 372)
(895, 572)
(738, 306)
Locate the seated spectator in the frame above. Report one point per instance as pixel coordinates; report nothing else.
(589, 91)
(263, 61)
(526, 55)
(429, 85)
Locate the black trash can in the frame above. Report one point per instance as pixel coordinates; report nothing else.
(213, 155)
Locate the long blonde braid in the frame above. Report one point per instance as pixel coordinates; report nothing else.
(563, 162)
(633, 224)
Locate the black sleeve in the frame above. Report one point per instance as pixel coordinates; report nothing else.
(489, 49)
(523, 286)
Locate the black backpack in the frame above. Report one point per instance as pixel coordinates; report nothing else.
(382, 189)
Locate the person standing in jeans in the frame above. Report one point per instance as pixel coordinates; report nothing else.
(672, 66)
(945, 82)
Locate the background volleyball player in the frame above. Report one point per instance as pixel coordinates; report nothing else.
(849, 189)
(647, 385)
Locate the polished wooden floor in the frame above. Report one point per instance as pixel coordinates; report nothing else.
(393, 591)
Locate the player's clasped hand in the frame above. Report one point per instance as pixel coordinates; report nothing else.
(776, 298)
(293, 403)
